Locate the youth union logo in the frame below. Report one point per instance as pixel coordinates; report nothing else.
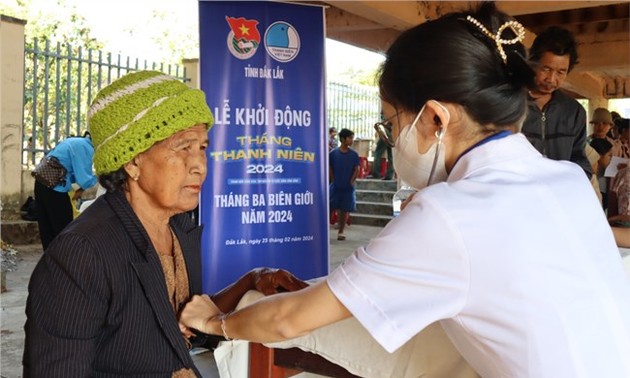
(282, 41)
(244, 38)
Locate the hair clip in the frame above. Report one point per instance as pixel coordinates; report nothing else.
(515, 26)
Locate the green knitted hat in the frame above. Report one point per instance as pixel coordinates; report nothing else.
(138, 110)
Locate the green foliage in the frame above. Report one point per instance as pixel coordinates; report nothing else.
(359, 76)
(58, 88)
(64, 69)
(55, 20)
(50, 111)
(178, 41)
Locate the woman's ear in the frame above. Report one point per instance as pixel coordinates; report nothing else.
(132, 169)
(435, 118)
(438, 113)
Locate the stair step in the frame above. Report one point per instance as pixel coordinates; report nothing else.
(374, 201)
(375, 208)
(384, 196)
(376, 184)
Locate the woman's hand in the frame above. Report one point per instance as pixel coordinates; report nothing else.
(77, 194)
(197, 313)
(271, 281)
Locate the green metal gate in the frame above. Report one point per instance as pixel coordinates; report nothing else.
(59, 84)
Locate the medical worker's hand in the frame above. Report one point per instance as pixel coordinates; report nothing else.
(196, 314)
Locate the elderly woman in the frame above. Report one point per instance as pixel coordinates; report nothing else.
(508, 250)
(103, 300)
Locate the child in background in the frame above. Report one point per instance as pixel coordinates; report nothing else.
(344, 170)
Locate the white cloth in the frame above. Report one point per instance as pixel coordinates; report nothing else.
(514, 256)
(430, 354)
(85, 204)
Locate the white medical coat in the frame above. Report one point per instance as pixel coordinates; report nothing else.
(515, 257)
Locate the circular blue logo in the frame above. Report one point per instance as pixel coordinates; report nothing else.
(282, 41)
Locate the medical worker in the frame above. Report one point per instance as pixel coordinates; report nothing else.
(508, 250)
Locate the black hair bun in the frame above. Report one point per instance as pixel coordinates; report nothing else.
(520, 73)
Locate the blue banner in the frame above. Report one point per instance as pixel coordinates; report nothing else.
(265, 200)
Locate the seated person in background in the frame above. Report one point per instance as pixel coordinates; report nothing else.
(619, 198)
(613, 133)
(621, 146)
(604, 150)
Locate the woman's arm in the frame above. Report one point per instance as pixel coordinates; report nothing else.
(274, 318)
(266, 280)
(622, 236)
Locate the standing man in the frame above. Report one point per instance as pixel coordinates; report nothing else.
(555, 123)
(383, 144)
(344, 170)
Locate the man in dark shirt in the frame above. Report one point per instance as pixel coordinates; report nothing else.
(555, 123)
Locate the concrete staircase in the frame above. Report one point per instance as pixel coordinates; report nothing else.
(374, 202)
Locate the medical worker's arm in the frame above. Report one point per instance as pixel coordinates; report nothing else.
(273, 318)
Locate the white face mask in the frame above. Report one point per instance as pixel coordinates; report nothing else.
(415, 169)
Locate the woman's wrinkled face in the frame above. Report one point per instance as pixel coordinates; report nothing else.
(171, 171)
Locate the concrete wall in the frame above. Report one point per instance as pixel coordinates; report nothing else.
(11, 98)
(192, 72)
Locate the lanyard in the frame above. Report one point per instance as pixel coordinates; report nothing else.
(499, 135)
